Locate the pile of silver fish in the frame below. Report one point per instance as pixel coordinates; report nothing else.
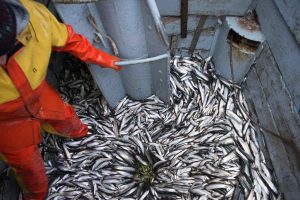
(201, 146)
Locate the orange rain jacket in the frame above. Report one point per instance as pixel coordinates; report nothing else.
(25, 97)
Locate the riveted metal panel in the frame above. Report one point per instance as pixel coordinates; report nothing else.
(172, 24)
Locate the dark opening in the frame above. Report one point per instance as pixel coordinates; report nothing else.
(242, 43)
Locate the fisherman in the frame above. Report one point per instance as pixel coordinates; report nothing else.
(28, 34)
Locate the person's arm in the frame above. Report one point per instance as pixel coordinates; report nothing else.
(64, 38)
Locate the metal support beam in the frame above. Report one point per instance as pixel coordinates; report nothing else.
(197, 33)
(173, 45)
(184, 17)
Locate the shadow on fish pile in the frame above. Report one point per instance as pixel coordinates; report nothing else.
(3, 178)
(202, 146)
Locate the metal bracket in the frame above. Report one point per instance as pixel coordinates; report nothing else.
(197, 34)
(184, 17)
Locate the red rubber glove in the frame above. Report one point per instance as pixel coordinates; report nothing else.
(106, 60)
(80, 47)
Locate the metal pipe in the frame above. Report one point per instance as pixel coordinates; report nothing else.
(138, 61)
(157, 19)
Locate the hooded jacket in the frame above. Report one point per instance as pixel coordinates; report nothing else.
(25, 97)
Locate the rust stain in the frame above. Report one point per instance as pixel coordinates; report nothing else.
(239, 55)
(167, 20)
(249, 22)
(243, 44)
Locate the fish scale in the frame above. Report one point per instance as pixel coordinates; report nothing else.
(201, 146)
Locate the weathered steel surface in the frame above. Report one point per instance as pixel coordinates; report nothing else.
(256, 97)
(281, 159)
(290, 11)
(246, 27)
(205, 7)
(172, 24)
(283, 46)
(278, 97)
(197, 33)
(203, 45)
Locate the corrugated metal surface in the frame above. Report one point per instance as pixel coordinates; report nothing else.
(283, 45)
(290, 11)
(172, 24)
(272, 89)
